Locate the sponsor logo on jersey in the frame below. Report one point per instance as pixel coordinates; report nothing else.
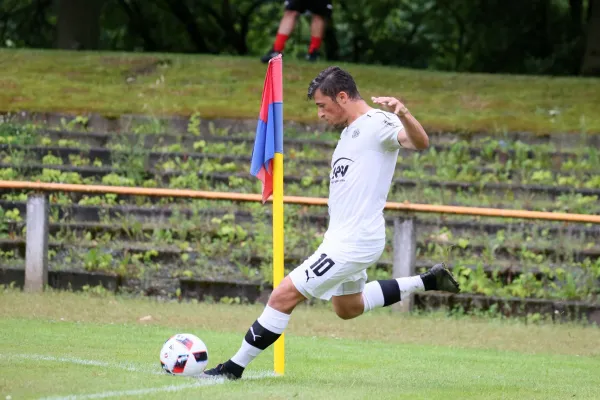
(339, 170)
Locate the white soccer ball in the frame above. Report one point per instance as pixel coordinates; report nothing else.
(184, 354)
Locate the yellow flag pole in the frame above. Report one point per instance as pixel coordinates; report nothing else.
(275, 74)
(279, 358)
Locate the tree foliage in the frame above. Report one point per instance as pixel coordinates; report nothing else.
(496, 36)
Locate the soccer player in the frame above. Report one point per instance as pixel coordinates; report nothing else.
(321, 12)
(361, 175)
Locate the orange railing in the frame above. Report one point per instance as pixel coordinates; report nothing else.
(312, 201)
(36, 263)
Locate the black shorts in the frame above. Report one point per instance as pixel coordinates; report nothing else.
(318, 7)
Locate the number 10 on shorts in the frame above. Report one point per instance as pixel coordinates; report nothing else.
(321, 266)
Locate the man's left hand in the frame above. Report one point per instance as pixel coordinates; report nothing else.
(392, 104)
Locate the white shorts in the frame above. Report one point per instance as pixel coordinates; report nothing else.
(334, 270)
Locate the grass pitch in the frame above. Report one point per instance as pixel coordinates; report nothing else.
(112, 84)
(77, 346)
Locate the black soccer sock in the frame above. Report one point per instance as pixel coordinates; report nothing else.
(263, 333)
(390, 290)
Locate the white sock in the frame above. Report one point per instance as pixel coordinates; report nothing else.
(372, 296)
(274, 320)
(387, 292)
(263, 333)
(410, 285)
(245, 354)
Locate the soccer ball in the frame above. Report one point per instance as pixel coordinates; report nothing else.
(184, 354)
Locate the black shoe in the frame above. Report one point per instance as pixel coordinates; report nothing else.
(272, 53)
(313, 56)
(227, 370)
(442, 279)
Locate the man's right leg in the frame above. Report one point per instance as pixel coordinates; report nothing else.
(263, 332)
(317, 30)
(384, 293)
(321, 11)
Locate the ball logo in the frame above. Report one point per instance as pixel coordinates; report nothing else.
(340, 169)
(355, 134)
(185, 341)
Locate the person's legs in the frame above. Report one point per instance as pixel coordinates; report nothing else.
(383, 293)
(348, 306)
(328, 274)
(317, 31)
(263, 332)
(286, 25)
(321, 11)
(285, 297)
(319, 276)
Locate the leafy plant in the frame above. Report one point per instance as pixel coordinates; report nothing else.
(50, 159)
(79, 122)
(128, 155)
(57, 176)
(95, 260)
(78, 161)
(8, 174)
(194, 125)
(114, 179)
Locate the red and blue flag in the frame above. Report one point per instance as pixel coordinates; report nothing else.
(269, 131)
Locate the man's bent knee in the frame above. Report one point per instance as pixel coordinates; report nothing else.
(285, 297)
(346, 315)
(349, 306)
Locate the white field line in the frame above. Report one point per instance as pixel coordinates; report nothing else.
(94, 363)
(169, 388)
(126, 367)
(134, 392)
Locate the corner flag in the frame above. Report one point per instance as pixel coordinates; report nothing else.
(269, 131)
(267, 165)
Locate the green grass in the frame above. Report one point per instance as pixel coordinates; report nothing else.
(79, 345)
(83, 82)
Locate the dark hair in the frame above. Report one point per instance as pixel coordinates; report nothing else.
(331, 81)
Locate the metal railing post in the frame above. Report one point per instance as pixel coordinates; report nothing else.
(405, 251)
(36, 245)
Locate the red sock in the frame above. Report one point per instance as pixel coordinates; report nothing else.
(280, 40)
(315, 43)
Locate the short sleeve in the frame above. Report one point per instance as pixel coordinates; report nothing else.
(388, 127)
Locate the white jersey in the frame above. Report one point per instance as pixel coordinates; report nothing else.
(362, 169)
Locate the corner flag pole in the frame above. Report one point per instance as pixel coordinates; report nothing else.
(279, 360)
(267, 166)
(278, 242)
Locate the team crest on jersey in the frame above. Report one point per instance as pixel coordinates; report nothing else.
(355, 134)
